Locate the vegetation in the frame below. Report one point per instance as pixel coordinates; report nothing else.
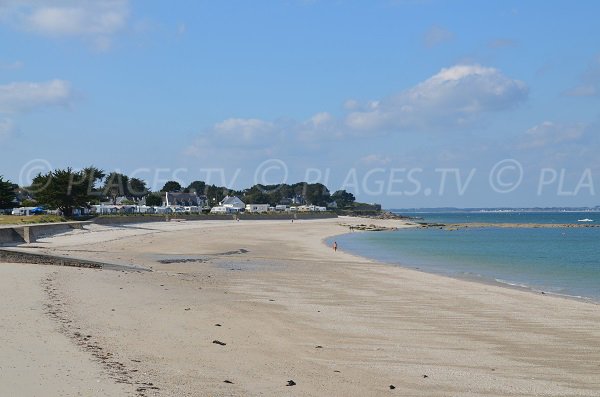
(196, 187)
(154, 200)
(171, 186)
(119, 185)
(7, 193)
(20, 220)
(66, 189)
(343, 199)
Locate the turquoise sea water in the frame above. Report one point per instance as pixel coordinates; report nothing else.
(563, 261)
(505, 217)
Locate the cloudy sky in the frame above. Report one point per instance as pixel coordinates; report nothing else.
(409, 103)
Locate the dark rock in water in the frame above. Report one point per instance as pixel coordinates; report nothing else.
(291, 383)
(228, 381)
(218, 342)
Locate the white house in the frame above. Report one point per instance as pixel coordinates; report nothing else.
(311, 208)
(257, 207)
(233, 203)
(177, 200)
(223, 210)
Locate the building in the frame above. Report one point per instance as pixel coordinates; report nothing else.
(257, 207)
(179, 200)
(311, 208)
(233, 202)
(223, 210)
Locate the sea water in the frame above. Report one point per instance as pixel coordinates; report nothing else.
(563, 261)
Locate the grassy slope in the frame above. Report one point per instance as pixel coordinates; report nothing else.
(21, 220)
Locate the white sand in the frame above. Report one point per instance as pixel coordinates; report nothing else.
(36, 359)
(278, 292)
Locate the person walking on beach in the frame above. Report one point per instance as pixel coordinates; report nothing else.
(334, 246)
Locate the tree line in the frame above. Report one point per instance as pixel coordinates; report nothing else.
(67, 189)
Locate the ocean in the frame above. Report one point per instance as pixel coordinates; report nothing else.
(564, 261)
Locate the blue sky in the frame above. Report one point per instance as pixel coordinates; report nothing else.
(406, 103)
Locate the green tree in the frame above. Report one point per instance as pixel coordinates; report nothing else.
(171, 186)
(28, 203)
(215, 194)
(257, 198)
(66, 189)
(7, 194)
(343, 198)
(154, 200)
(316, 193)
(115, 186)
(136, 188)
(199, 187)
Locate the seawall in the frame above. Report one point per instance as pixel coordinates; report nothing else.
(127, 219)
(14, 235)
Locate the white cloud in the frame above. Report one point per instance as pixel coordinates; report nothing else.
(437, 35)
(351, 104)
(549, 133)
(375, 159)
(96, 21)
(24, 96)
(245, 132)
(590, 81)
(265, 137)
(452, 97)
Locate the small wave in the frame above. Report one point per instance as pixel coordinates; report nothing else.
(549, 292)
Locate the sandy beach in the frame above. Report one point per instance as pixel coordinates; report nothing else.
(243, 308)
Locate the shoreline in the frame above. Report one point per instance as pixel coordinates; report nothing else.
(465, 277)
(286, 307)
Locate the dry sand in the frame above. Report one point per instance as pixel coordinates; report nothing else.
(286, 308)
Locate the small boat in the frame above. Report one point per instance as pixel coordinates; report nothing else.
(585, 220)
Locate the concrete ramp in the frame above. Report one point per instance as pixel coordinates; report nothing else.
(15, 235)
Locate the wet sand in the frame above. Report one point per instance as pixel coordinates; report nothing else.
(242, 308)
